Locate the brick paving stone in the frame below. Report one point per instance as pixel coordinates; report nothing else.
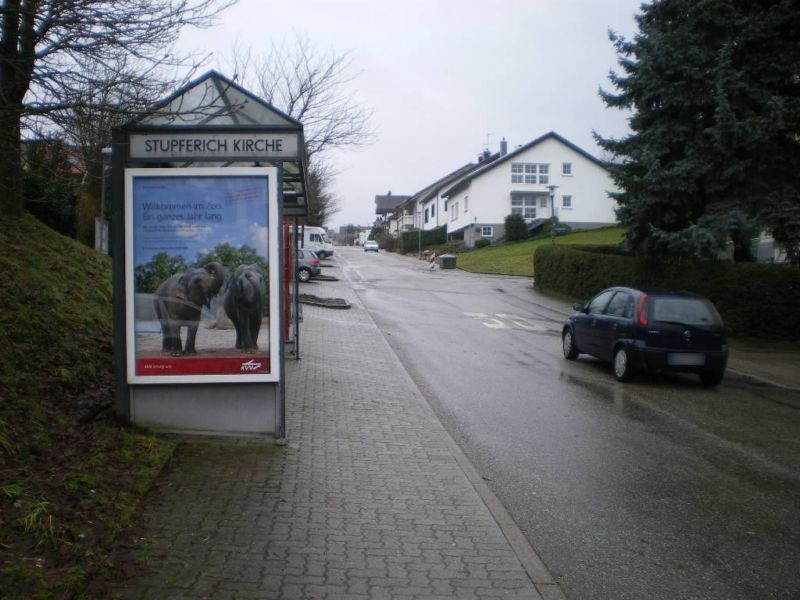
(366, 501)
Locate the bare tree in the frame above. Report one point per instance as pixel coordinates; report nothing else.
(108, 100)
(322, 202)
(51, 52)
(316, 90)
(311, 87)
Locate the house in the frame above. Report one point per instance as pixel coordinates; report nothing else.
(390, 217)
(430, 207)
(426, 209)
(548, 178)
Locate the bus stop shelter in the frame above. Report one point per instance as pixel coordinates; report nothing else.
(207, 188)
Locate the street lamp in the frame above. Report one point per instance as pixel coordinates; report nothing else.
(552, 189)
(419, 234)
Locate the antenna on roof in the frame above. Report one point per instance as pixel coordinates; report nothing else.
(485, 152)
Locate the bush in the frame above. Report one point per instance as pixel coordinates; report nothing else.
(412, 240)
(50, 192)
(482, 243)
(755, 300)
(387, 242)
(516, 229)
(451, 247)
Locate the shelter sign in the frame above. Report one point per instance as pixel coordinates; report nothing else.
(245, 145)
(202, 275)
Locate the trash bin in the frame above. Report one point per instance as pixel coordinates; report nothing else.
(448, 261)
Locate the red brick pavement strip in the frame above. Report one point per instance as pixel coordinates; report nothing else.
(370, 499)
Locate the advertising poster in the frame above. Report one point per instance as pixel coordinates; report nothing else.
(201, 259)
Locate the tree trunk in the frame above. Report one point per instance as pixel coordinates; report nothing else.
(16, 67)
(11, 204)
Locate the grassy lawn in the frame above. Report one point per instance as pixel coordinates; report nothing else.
(71, 478)
(516, 258)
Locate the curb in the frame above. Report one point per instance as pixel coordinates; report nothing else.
(762, 380)
(527, 556)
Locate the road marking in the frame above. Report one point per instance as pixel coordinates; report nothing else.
(523, 322)
(508, 321)
(488, 321)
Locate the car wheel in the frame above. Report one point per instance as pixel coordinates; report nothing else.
(622, 364)
(711, 378)
(304, 274)
(568, 345)
(322, 255)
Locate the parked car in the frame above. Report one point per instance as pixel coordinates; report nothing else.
(649, 331)
(307, 264)
(371, 246)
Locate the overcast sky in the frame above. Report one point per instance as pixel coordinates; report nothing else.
(445, 78)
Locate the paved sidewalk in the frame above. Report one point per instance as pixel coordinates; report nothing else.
(370, 499)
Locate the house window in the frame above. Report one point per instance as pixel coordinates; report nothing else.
(566, 201)
(445, 205)
(544, 172)
(426, 215)
(530, 173)
(566, 168)
(433, 210)
(527, 173)
(487, 231)
(516, 172)
(454, 212)
(466, 204)
(542, 202)
(524, 206)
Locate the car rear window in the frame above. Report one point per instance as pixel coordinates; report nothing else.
(689, 311)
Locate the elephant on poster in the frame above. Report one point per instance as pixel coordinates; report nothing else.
(245, 293)
(179, 301)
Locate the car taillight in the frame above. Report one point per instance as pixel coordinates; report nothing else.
(314, 262)
(641, 311)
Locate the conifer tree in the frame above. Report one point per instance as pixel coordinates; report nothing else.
(714, 148)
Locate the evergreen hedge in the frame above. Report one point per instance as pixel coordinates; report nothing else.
(432, 237)
(755, 300)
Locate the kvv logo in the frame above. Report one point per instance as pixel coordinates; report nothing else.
(251, 365)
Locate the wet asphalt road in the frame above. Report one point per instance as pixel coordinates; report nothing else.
(654, 489)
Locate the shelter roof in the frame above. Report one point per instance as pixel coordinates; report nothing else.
(215, 103)
(214, 100)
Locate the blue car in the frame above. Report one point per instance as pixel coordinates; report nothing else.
(636, 330)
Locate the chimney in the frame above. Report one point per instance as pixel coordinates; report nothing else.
(486, 153)
(503, 147)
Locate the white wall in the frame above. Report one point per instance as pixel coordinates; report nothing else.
(439, 217)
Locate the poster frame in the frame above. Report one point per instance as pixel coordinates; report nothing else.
(273, 274)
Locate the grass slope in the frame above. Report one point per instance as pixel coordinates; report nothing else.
(516, 258)
(69, 483)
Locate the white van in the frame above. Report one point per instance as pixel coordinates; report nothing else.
(316, 239)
